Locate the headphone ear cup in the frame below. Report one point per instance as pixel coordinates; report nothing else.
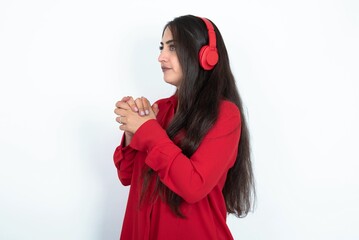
(208, 57)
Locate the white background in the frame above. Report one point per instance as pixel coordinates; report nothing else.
(64, 64)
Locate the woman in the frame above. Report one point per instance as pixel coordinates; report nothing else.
(186, 157)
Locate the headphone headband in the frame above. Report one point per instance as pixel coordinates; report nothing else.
(211, 34)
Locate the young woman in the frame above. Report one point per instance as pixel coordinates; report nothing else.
(186, 157)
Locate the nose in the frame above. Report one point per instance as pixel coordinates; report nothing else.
(162, 57)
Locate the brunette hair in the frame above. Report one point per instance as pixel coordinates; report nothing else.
(199, 95)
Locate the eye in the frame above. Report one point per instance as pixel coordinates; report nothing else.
(161, 48)
(172, 47)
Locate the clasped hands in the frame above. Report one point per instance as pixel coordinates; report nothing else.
(132, 113)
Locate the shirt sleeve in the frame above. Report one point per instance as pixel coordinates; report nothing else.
(192, 178)
(123, 159)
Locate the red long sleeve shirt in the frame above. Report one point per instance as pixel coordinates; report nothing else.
(199, 180)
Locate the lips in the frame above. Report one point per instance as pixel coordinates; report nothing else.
(164, 69)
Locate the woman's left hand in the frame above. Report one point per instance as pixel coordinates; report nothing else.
(130, 120)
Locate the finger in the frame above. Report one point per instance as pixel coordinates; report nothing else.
(132, 104)
(122, 112)
(121, 120)
(155, 108)
(126, 98)
(139, 105)
(122, 104)
(151, 113)
(120, 109)
(146, 105)
(123, 127)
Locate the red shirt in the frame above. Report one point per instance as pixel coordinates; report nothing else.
(199, 180)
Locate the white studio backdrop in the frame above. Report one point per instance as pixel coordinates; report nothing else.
(64, 64)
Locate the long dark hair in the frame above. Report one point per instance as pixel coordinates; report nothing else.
(199, 96)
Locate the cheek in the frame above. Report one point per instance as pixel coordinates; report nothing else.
(178, 66)
(175, 62)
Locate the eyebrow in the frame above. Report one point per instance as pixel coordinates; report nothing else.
(168, 42)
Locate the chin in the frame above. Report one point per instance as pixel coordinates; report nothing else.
(174, 83)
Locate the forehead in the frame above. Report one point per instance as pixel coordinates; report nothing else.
(167, 35)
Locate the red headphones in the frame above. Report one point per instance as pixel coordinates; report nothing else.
(208, 55)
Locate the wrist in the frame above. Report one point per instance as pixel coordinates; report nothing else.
(128, 138)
